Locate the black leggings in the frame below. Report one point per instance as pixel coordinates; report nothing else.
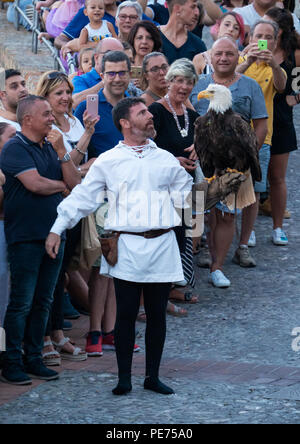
(128, 301)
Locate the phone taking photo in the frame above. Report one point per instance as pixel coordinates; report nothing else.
(262, 45)
(92, 102)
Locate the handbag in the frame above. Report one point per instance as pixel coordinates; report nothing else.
(90, 248)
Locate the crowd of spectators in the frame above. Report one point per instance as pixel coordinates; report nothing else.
(49, 142)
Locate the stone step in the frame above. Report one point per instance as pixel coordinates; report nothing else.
(15, 52)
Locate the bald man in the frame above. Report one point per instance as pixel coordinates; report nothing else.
(91, 82)
(249, 102)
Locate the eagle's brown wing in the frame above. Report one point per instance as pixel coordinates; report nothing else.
(203, 147)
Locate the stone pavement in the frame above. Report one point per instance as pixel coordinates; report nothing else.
(230, 360)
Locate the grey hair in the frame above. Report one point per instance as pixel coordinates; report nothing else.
(130, 4)
(182, 67)
(265, 22)
(149, 56)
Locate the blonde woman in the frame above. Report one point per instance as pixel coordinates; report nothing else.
(57, 89)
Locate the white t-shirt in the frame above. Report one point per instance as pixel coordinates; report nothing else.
(10, 122)
(96, 35)
(74, 135)
(251, 16)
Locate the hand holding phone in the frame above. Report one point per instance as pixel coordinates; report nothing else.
(262, 45)
(92, 104)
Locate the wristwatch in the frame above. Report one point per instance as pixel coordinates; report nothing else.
(66, 158)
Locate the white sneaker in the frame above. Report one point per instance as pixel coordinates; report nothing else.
(218, 279)
(279, 237)
(252, 240)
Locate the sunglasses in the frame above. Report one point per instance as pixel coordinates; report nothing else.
(56, 75)
(156, 69)
(113, 74)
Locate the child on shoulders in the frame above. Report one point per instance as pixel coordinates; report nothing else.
(97, 29)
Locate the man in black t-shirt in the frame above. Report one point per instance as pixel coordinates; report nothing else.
(37, 172)
(177, 41)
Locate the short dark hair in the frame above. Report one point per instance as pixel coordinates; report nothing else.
(122, 109)
(11, 73)
(153, 31)
(3, 126)
(115, 57)
(25, 105)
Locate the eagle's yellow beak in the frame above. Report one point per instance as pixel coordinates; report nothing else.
(204, 95)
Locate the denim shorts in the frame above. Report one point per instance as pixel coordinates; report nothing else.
(264, 160)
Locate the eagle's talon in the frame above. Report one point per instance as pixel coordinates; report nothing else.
(210, 179)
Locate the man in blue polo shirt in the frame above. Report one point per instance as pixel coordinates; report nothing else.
(116, 76)
(91, 82)
(38, 170)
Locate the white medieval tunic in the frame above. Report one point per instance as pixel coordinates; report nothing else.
(143, 190)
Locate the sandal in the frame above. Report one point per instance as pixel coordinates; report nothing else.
(141, 317)
(174, 310)
(51, 358)
(77, 355)
(185, 298)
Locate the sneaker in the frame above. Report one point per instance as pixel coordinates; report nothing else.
(252, 240)
(204, 260)
(108, 343)
(94, 344)
(279, 237)
(243, 257)
(36, 369)
(218, 279)
(14, 374)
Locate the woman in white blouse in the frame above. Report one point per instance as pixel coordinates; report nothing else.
(57, 89)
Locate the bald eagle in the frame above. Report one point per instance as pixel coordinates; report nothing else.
(223, 139)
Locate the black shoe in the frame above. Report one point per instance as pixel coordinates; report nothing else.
(67, 326)
(69, 311)
(14, 374)
(154, 384)
(36, 369)
(124, 386)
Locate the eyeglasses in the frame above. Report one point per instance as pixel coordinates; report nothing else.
(156, 69)
(123, 17)
(56, 74)
(113, 74)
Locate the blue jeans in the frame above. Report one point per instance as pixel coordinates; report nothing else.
(33, 278)
(4, 275)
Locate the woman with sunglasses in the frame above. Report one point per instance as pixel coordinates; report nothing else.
(154, 70)
(57, 89)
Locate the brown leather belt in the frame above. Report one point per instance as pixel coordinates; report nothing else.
(149, 234)
(1, 217)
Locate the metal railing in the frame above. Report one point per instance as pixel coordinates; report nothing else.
(36, 31)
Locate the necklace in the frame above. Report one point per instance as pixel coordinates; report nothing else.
(226, 82)
(183, 131)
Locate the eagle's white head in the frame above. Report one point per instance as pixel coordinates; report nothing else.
(219, 96)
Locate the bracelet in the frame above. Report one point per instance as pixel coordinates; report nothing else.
(81, 152)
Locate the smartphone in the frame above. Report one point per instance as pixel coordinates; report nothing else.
(136, 72)
(262, 45)
(92, 102)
